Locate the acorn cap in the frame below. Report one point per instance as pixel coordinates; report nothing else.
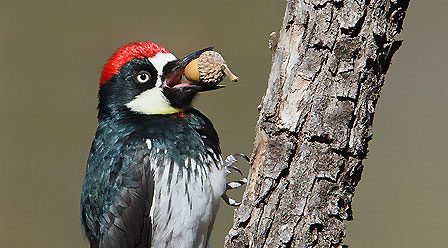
(209, 69)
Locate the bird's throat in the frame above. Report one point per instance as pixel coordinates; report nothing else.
(152, 102)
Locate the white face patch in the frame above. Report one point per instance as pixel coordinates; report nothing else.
(159, 61)
(152, 102)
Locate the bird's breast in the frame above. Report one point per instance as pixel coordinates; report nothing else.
(187, 192)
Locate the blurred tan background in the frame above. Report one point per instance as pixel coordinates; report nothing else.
(51, 54)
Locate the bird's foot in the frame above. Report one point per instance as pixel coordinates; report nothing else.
(230, 167)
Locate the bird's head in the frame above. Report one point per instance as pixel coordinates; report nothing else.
(145, 78)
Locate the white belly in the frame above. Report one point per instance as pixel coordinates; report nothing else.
(181, 219)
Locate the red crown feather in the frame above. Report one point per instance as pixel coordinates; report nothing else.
(127, 52)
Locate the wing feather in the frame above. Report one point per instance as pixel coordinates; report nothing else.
(116, 207)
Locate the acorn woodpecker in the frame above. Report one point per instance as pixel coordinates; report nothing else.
(155, 172)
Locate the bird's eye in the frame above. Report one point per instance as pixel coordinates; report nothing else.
(143, 77)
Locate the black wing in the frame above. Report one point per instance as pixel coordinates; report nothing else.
(117, 194)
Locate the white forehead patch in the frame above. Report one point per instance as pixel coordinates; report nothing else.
(159, 61)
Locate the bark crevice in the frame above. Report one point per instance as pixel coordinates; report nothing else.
(315, 123)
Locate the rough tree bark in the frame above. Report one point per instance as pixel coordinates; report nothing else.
(315, 122)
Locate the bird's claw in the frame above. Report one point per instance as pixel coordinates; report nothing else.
(231, 202)
(236, 184)
(230, 167)
(231, 160)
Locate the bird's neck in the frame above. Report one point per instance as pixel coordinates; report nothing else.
(125, 118)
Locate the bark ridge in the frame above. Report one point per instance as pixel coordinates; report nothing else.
(315, 121)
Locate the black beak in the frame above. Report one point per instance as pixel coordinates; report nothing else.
(179, 93)
(175, 68)
(187, 59)
(172, 72)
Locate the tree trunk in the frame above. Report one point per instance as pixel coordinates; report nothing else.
(315, 122)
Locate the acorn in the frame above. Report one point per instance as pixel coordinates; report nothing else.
(208, 69)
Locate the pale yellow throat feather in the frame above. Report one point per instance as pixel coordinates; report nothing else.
(152, 102)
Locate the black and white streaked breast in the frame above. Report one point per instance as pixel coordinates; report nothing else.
(187, 167)
(175, 162)
(186, 196)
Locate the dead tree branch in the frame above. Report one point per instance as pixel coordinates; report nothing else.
(315, 122)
